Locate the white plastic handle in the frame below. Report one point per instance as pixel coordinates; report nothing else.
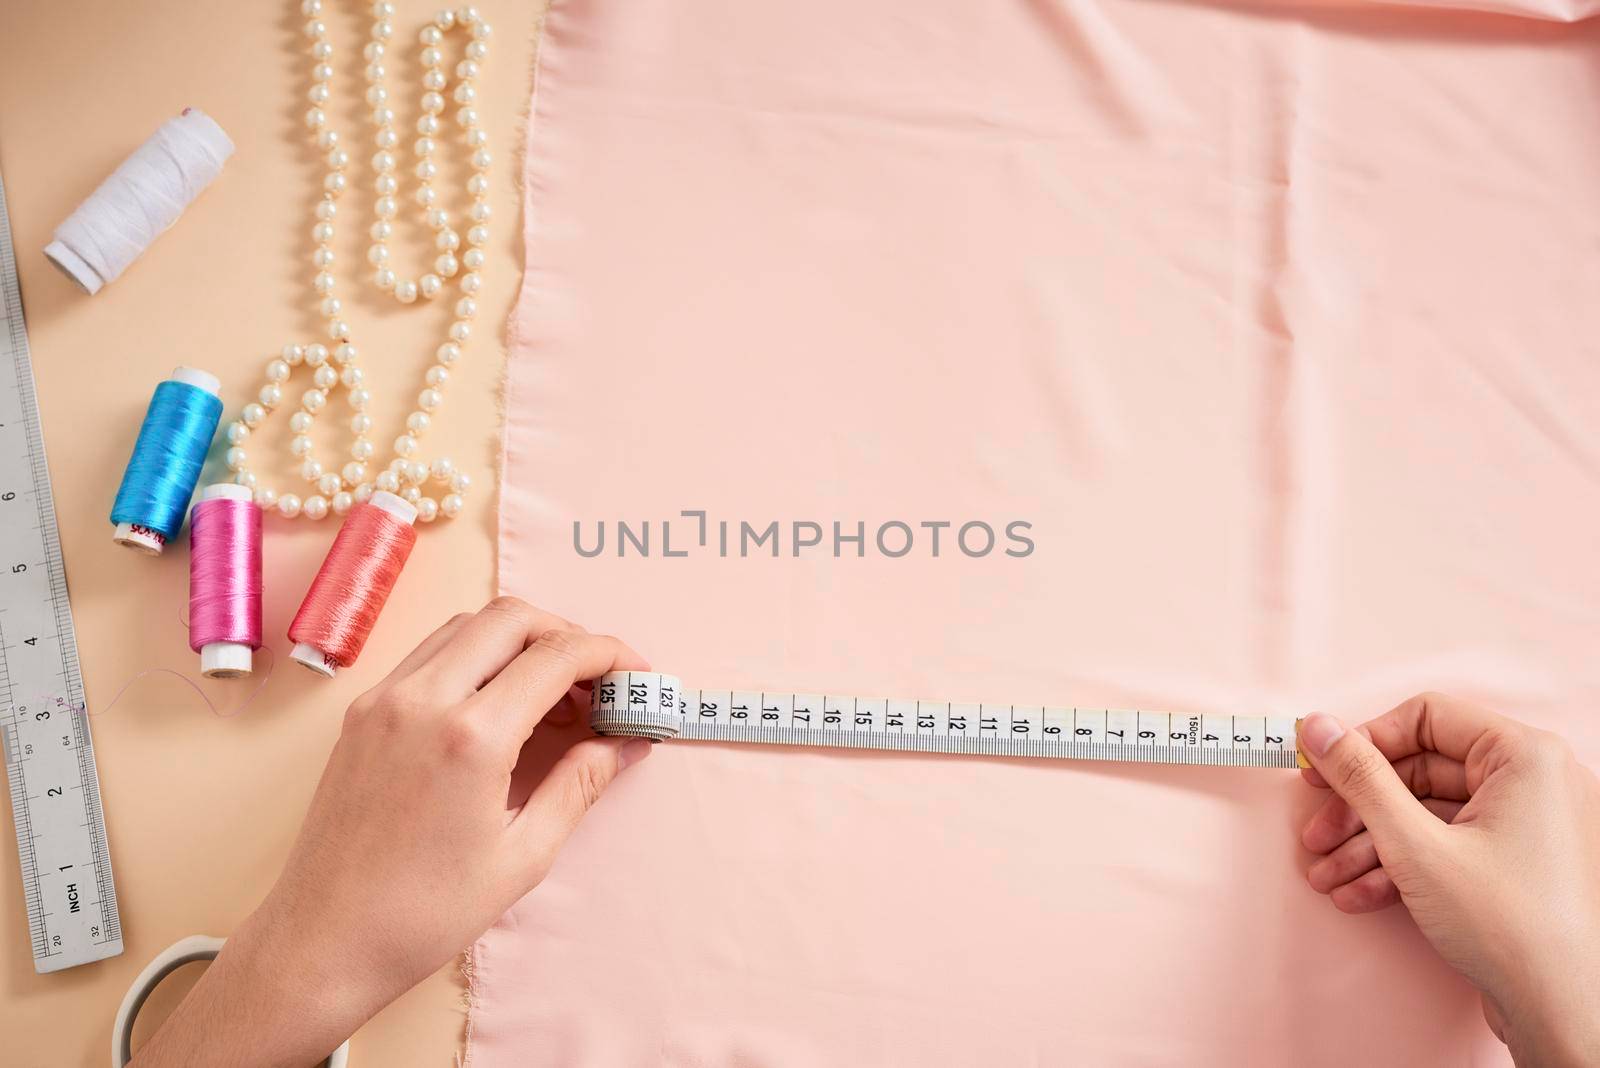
(184, 951)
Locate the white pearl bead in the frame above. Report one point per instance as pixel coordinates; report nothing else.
(466, 69)
(246, 479)
(358, 399)
(301, 422)
(386, 185)
(447, 241)
(382, 31)
(430, 35)
(252, 415)
(478, 235)
(299, 445)
(354, 472)
(330, 484)
(427, 170)
(443, 468)
(446, 265)
(351, 377)
(398, 465)
(481, 160)
(438, 218)
(344, 354)
(472, 259)
(289, 505)
(382, 117)
(425, 195)
(338, 159)
(323, 282)
(451, 504)
(311, 470)
(318, 94)
(432, 103)
(332, 306)
(477, 138)
(322, 50)
(373, 51)
(467, 118)
(377, 95)
(471, 282)
(293, 355)
(406, 291)
(381, 230)
(378, 255)
(385, 207)
(465, 93)
(313, 399)
(448, 353)
(235, 458)
(389, 482)
(466, 308)
(338, 330)
(460, 482)
(315, 118)
(429, 285)
(266, 496)
(310, 8)
(362, 449)
(478, 50)
(375, 72)
(411, 495)
(418, 422)
(316, 355)
(431, 57)
(237, 432)
(360, 423)
(341, 503)
(386, 138)
(480, 210)
(326, 377)
(437, 376)
(478, 185)
(322, 233)
(445, 19)
(385, 278)
(405, 445)
(362, 493)
(427, 510)
(334, 183)
(326, 209)
(316, 506)
(270, 396)
(424, 147)
(467, 15)
(416, 472)
(482, 31)
(429, 399)
(460, 331)
(433, 79)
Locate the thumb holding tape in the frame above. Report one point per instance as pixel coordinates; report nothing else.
(1353, 767)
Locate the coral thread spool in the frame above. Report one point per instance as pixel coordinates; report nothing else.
(225, 580)
(349, 591)
(165, 466)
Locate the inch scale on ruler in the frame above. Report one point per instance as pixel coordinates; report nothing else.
(648, 704)
(44, 726)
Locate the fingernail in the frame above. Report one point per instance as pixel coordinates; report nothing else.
(1319, 731)
(633, 752)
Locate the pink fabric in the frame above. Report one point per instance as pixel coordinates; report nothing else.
(1282, 328)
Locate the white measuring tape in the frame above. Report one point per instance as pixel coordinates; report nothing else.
(44, 727)
(647, 704)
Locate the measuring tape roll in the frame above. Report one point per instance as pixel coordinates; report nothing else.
(647, 704)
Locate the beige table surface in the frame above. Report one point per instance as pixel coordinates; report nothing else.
(201, 811)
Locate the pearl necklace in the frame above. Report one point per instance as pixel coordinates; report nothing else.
(337, 364)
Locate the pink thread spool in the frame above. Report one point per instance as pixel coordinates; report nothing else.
(225, 581)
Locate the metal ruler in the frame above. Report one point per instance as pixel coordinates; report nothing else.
(651, 705)
(44, 725)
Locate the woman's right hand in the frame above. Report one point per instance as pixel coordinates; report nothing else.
(1488, 831)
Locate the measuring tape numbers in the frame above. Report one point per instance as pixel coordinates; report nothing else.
(647, 704)
(44, 726)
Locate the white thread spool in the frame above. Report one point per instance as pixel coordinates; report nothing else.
(308, 655)
(141, 198)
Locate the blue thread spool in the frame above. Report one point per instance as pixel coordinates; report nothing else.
(165, 465)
